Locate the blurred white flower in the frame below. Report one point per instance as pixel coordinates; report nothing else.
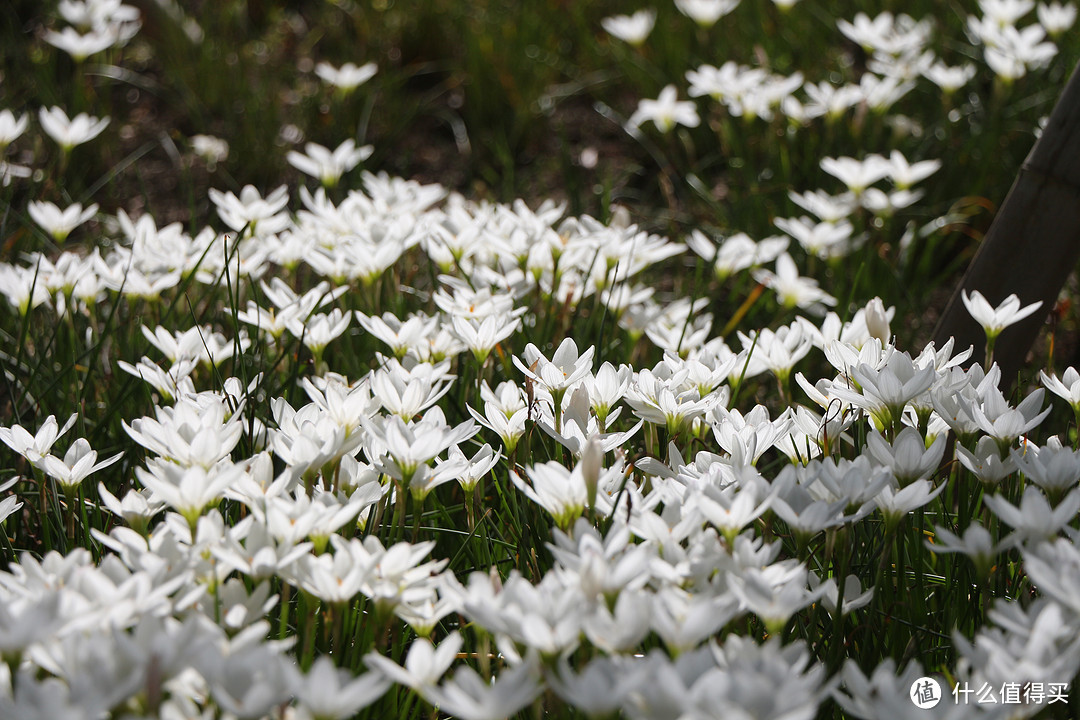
(472, 697)
(950, 79)
(792, 289)
(706, 12)
(424, 666)
(9, 171)
(857, 175)
(1006, 12)
(81, 45)
(258, 214)
(326, 165)
(348, 77)
(905, 174)
(59, 223)
(665, 112)
(11, 128)
(70, 132)
(1055, 17)
(211, 149)
(632, 29)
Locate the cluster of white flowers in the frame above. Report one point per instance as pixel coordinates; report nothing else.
(675, 545)
(94, 26)
(898, 51)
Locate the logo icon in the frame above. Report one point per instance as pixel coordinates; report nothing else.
(925, 693)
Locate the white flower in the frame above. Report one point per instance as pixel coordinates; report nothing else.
(1067, 388)
(482, 335)
(976, 543)
(211, 149)
(348, 77)
(631, 29)
(11, 127)
(35, 447)
(1054, 468)
(559, 491)
(994, 320)
(986, 462)
(330, 693)
(907, 457)
(792, 289)
(1035, 519)
(1055, 17)
(1005, 12)
(252, 210)
(886, 390)
(69, 133)
(857, 175)
(706, 12)
(329, 166)
(425, 664)
(894, 505)
(665, 112)
(59, 223)
(905, 174)
(950, 79)
(81, 46)
(562, 372)
(78, 463)
(472, 697)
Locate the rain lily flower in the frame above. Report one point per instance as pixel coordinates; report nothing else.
(976, 543)
(11, 128)
(632, 29)
(561, 492)
(425, 664)
(332, 693)
(59, 223)
(252, 210)
(857, 175)
(35, 447)
(996, 319)
(328, 166)
(69, 133)
(895, 504)
(1055, 17)
(665, 112)
(1054, 468)
(792, 289)
(905, 174)
(949, 79)
(908, 457)
(348, 77)
(985, 462)
(472, 697)
(565, 369)
(78, 463)
(853, 596)
(706, 12)
(1067, 388)
(1035, 520)
(211, 149)
(81, 45)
